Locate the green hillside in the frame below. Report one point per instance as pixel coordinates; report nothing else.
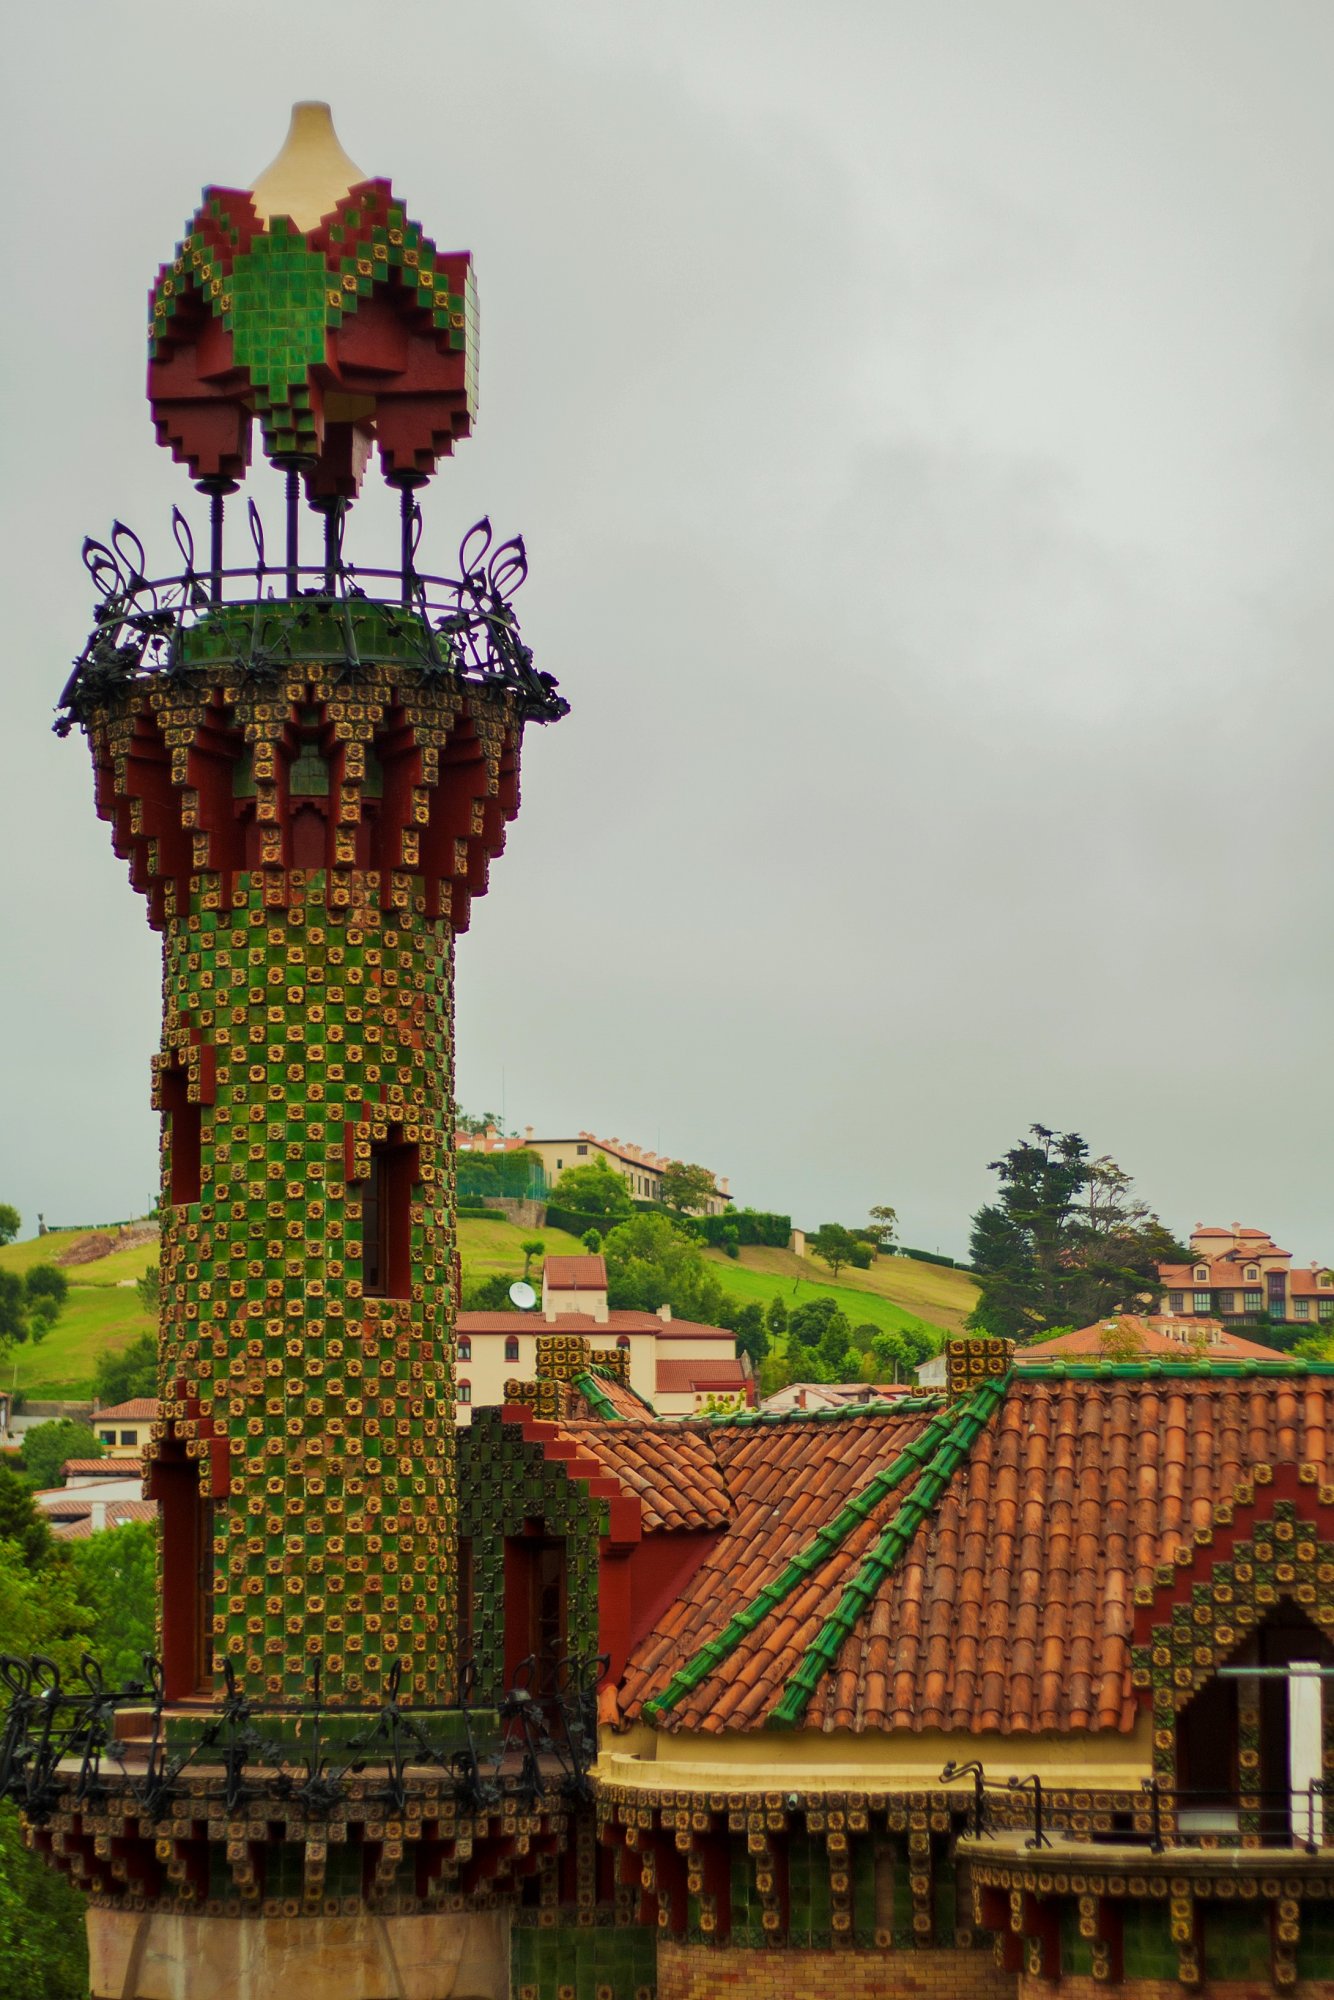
(103, 1309)
(894, 1294)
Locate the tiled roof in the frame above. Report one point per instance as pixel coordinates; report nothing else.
(575, 1274)
(703, 1371)
(605, 1397)
(672, 1469)
(140, 1409)
(1306, 1284)
(80, 1528)
(102, 1468)
(1150, 1337)
(621, 1320)
(982, 1581)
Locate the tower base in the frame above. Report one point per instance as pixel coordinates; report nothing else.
(159, 1955)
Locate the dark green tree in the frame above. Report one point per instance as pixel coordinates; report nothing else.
(808, 1321)
(651, 1262)
(115, 1573)
(47, 1446)
(532, 1246)
(129, 1372)
(751, 1335)
(833, 1245)
(1066, 1241)
(595, 1189)
(775, 1318)
(21, 1522)
(687, 1188)
(44, 1281)
(10, 1222)
(150, 1290)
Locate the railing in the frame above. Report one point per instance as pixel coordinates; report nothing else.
(59, 1743)
(259, 620)
(1156, 1816)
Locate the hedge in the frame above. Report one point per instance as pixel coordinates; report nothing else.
(929, 1257)
(576, 1224)
(752, 1225)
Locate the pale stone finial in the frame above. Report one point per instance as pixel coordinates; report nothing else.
(311, 172)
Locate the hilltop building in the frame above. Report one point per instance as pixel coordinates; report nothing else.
(642, 1171)
(125, 1428)
(678, 1368)
(1240, 1276)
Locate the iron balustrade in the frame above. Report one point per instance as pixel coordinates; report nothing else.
(256, 622)
(1155, 1816)
(59, 1744)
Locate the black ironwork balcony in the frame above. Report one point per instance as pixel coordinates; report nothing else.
(259, 621)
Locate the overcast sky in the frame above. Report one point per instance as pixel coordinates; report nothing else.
(921, 422)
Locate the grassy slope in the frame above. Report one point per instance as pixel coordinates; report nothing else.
(895, 1292)
(103, 1312)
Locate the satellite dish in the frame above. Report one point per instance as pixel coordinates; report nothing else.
(523, 1296)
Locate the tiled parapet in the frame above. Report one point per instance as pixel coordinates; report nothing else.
(972, 1359)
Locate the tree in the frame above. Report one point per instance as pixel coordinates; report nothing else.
(149, 1288)
(595, 1189)
(751, 1336)
(532, 1246)
(808, 1321)
(10, 1222)
(833, 1244)
(1066, 1243)
(47, 1446)
(592, 1242)
(687, 1189)
(21, 1522)
(731, 1240)
(862, 1255)
(775, 1318)
(651, 1261)
(835, 1343)
(116, 1573)
(131, 1372)
(884, 1225)
(478, 1127)
(44, 1281)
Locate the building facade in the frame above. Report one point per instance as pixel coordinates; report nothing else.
(678, 1368)
(641, 1170)
(1241, 1277)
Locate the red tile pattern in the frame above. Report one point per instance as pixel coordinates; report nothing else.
(1014, 1607)
(785, 1482)
(672, 1469)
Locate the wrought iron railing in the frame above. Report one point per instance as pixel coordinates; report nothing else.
(59, 1744)
(261, 619)
(1154, 1816)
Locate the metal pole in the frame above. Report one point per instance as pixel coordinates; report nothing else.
(293, 529)
(330, 545)
(405, 524)
(216, 501)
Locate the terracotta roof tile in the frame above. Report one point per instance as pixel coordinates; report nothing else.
(991, 1587)
(140, 1409)
(672, 1469)
(575, 1274)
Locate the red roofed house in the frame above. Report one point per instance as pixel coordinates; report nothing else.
(1240, 1276)
(678, 1367)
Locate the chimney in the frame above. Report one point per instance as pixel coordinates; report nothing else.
(99, 1516)
(664, 1312)
(528, 1134)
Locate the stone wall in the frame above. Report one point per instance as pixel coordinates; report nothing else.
(726, 1972)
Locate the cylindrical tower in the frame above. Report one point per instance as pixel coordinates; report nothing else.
(309, 787)
(309, 768)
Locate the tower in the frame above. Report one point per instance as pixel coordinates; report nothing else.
(309, 768)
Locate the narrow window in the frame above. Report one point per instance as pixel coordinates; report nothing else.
(1203, 1300)
(512, 1347)
(386, 1221)
(1176, 1302)
(465, 1347)
(465, 1392)
(187, 1576)
(1301, 1309)
(184, 1137)
(623, 1340)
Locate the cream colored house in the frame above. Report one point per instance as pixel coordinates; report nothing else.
(643, 1170)
(125, 1428)
(677, 1367)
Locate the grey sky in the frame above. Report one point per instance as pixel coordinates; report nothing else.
(920, 419)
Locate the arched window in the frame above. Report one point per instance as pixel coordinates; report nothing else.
(511, 1346)
(623, 1340)
(465, 1347)
(465, 1392)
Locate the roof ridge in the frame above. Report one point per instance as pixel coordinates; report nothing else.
(1202, 1369)
(808, 1559)
(967, 1421)
(600, 1404)
(896, 1406)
